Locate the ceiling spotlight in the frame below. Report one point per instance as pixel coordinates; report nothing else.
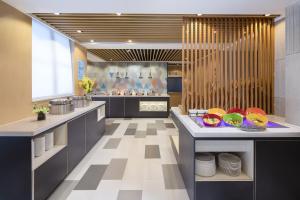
(118, 13)
(268, 15)
(79, 31)
(199, 14)
(129, 41)
(57, 13)
(92, 41)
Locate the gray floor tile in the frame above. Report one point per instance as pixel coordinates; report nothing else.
(172, 177)
(132, 126)
(159, 121)
(112, 143)
(91, 178)
(140, 134)
(152, 151)
(169, 125)
(130, 131)
(127, 118)
(115, 170)
(109, 121)
(151, 131)
(160, 125)
(63, 190)
(110, 129)
(130, 195)
(151, 125)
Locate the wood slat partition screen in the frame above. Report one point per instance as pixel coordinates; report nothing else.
(228, 62)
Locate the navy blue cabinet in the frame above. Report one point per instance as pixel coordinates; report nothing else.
(117, 107)
(106, 100)
(132, 107)
(94, 129)
(76, 141)
(277, 166)
(49, 175)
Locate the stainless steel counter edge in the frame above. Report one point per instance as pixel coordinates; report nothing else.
(30, 127)
(198, 132)
(112, 96)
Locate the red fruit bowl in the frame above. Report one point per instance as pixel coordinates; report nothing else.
(211, 120)
(238, 111)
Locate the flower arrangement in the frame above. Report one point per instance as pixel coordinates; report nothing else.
(87, 84)
(40, 111)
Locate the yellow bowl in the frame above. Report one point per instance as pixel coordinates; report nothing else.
(257, 119)
(217, 111)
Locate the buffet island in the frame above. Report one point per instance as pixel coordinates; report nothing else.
(36, 156)
(137, 106)
(232, 161)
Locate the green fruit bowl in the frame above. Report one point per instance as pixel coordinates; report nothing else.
(233, 119)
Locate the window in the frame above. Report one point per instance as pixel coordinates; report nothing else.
(52, 73)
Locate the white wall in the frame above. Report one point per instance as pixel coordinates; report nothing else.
(279, 85)
(292, 73)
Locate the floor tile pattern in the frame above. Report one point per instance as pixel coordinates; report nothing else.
(134, 160)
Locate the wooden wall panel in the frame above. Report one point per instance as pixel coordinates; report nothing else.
(228, 62)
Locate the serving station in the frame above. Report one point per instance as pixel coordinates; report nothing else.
(264, 161)
(127, 106)
(36, 156)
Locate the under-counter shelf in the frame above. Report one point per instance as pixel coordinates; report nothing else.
(220, 176)
(60, 142)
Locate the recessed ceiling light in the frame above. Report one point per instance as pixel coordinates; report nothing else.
(268, 15)
(199, 14)
(118, 13)
(129, 41)
(79, 31)
(92, 41)
(56, 13)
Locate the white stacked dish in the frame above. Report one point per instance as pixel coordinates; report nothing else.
(205, 165)
(49, 141)
(230, 164)
(39, 146)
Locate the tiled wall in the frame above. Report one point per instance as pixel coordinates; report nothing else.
(111, 75)
(292, 72)
(279, 85)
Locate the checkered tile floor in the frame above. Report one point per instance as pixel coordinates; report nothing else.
(133, 161)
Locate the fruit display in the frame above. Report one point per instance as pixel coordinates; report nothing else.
(217, 111)
(255, 110)
(237, 110)
(257, 119)
(211, 120)
(233, 119)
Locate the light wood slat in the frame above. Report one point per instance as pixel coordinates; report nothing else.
(229, 63)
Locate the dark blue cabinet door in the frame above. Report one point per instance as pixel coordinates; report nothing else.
(49, 175)
(94, 129)
(277, 166)
(116, 107)
(76, 141)
(132, 107)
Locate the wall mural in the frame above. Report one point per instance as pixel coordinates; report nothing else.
(123, 76)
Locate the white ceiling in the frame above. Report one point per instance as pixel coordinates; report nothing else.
(153, 6)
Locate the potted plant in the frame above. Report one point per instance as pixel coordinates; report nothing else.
(40, 111)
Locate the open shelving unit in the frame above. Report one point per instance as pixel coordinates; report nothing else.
(60, 142)
(244, 149)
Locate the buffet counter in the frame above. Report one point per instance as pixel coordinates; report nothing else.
(135, 106)
(270, 160)
(36, 156)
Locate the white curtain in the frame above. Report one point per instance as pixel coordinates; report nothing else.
(52, 73)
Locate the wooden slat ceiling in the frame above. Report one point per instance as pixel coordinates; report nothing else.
(114, 28)
(168, 55)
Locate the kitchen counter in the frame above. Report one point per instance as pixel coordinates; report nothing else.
(30, 127)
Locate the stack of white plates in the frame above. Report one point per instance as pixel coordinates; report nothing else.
(230, 164)
(205, 165)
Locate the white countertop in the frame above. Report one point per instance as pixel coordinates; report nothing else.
(102, 95)
(206, 132)
(31, 127)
